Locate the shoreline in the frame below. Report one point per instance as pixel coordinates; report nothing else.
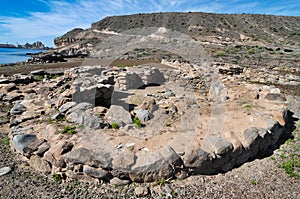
(29, 48)
(24, 67)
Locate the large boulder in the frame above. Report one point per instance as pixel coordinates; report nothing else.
(155, 165)
(119, 114)
(98, 158)
(197, 160)
(86, 120)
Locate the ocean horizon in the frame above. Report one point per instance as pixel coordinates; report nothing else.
(14, 55)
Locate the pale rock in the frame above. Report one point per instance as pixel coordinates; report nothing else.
(39, 164)
(81, 107)
(5, 170)
(95, 172)
(119, 182)
(17, 109)
(143, 115)
(65, 107)
(20, 142)
(141, 191)
(118, 114)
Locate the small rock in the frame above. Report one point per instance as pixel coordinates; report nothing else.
(40, 72)
(119, 182)
(17, 109)
(95, 172)
(143, 115)
(10, 87)
(4, 81)
(128, 127)
(275, 97)
(275, 90)
(65, 107)
(81, 107)
(42, 149)
(169, 93)
(5, 170)
(141, 191)
(57, 116)
(20, 142)
(149, 104)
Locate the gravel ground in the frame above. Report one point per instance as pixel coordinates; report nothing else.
(261, 178)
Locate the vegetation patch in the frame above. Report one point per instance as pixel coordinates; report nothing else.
(219, 54)
(57, 178)
(251, 51)
(291, 155)
(254, 182)
(248, 106)
(137, 122)
(114, 125)
(69, 130)
(292, 167)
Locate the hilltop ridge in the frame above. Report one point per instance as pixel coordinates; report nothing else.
(205, 27)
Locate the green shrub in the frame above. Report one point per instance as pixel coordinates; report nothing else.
(161, 182)
(254, 182)
(247, 106)
(57, 178)
(6, 141)
(69, 130)
(49, 121)
(137, 122)
(114, 125)
(290, 166)
(251, 51)
(220, 54)
(53, 76)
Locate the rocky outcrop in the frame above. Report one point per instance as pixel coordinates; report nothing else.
(69, 38)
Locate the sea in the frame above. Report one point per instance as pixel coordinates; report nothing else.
(13, 55)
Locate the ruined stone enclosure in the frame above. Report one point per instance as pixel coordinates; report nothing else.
(148, 122)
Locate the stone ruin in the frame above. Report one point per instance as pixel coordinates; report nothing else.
(140, 124)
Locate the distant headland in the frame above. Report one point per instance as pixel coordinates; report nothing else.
(35, 45)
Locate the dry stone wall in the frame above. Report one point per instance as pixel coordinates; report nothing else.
(72, 141)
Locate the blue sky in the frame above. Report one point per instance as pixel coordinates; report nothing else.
(43, 20)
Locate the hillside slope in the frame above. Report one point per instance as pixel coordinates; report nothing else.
(205, 27)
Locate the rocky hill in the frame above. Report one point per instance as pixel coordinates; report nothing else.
(205, 27)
